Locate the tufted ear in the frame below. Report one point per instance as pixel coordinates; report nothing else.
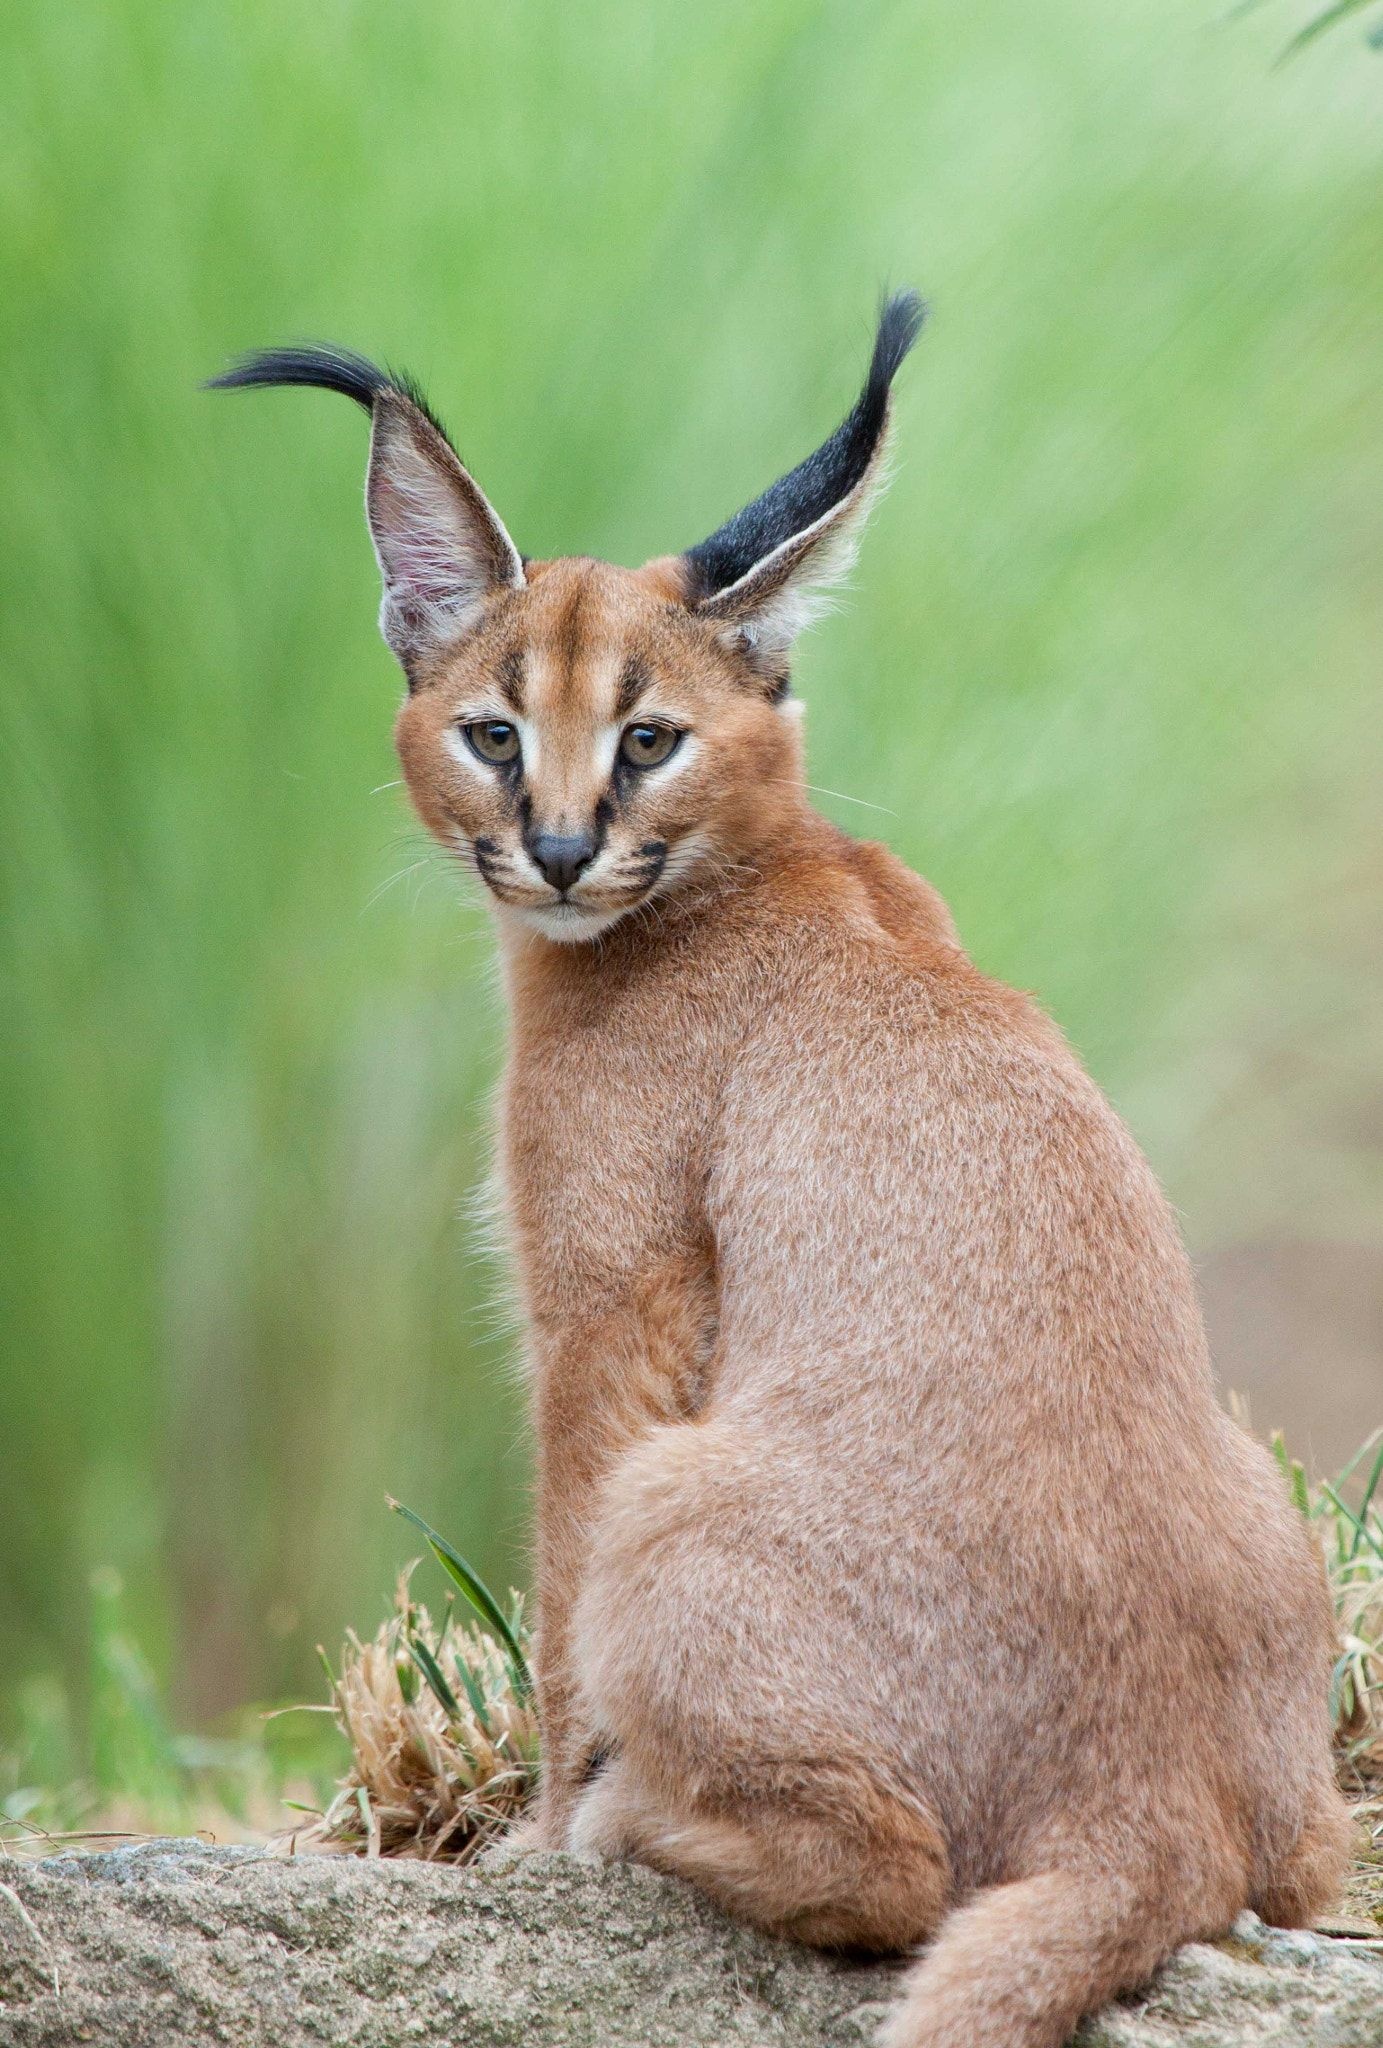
(761, 574)
(441, 546)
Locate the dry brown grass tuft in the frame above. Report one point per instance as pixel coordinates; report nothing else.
(444, 1743)
(1359, 1740)
(1357, 1583)
(1348, 1517)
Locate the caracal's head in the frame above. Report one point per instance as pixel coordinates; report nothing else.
(589, 738)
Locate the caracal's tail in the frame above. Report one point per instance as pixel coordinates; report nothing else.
(1020, 1965)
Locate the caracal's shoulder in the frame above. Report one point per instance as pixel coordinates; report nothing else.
(849, 941)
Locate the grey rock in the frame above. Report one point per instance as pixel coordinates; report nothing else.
(172, 1942)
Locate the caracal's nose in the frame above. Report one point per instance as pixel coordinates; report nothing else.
(561, 859)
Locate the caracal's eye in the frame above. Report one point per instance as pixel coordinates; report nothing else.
(644, 746)
(494, 740)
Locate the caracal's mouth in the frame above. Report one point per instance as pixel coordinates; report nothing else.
(572, 917)
(569, 923)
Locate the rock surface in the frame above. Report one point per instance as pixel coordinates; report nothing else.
(173, 1942)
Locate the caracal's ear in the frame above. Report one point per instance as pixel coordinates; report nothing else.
(762, 573)
(441, 546)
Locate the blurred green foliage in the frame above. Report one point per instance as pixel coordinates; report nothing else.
(1109, 670)
(126, 1770)
(1334, 16)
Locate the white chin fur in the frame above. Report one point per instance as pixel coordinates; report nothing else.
(567, 923)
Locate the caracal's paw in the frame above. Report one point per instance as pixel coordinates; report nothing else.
(539, 1832)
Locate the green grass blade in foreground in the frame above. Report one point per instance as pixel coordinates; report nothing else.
(1362, 1533)
(476, 1591)
(1366, 1504)
(408, 1679)
(1293, 1472)
(432, 1672)
(1372, 1442)
(463, 1672)
(480, 1706)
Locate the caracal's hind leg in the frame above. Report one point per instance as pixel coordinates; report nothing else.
(817, 1853)
(736, 1754)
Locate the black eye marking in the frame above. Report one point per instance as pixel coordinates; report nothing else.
(494, 741)
(509, 679)
(632, 685)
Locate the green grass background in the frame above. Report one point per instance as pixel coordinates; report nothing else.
(1110, 666)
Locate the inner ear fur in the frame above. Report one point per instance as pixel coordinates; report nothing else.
(441, 547)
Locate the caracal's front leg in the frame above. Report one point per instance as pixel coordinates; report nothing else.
(600, 1385)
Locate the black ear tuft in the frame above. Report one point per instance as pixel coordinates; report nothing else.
(323, 368)
(900, 322)
(807, 493)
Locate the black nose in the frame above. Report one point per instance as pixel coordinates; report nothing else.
(560, 859)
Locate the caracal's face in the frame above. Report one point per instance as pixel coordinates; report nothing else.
(591, 745)
(587, 738)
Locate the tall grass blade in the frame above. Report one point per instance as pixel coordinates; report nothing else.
(1362, 1532)
(1294, 1473)
(1370, 1489)
(477, 1592)
(432, 1672)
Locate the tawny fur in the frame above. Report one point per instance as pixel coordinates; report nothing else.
(899, 1579)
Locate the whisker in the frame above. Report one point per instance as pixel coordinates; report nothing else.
(819, 789)
(375, 894)
(862, 801)
(429, 874)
